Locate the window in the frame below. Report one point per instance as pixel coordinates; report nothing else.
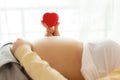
(79, 19)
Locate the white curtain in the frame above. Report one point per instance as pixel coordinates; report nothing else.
(79, 19)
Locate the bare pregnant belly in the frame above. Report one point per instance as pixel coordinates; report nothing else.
(62, 54)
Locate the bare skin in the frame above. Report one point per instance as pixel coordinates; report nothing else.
(53, 31)
(62, 54)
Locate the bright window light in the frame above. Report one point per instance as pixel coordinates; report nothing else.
(79, 19)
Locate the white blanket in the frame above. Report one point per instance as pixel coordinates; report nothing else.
(99, 59)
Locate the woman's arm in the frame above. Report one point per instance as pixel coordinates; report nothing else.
(36, 68)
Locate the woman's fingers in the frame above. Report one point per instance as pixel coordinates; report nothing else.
(18, 43)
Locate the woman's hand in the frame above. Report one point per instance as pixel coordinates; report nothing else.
(18, 43)
(51, 31)
(56, 30)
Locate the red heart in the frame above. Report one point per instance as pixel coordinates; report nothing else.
(51, 19)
